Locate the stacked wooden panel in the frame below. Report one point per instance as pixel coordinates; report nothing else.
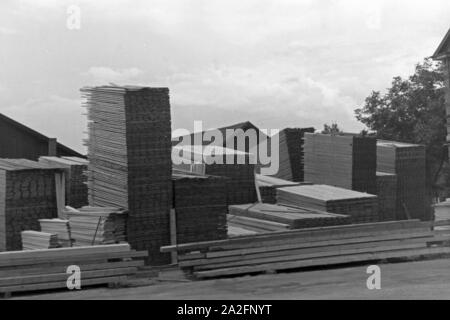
(346, 161)
(97, 226)
(35, 240)
(306, 248)
(59, 227)
(48, 269)
(268, 187)
(27, 194)
(76, 181)
(200, 204)
(130, 167)
(291, 154)
(361, 207)
(407, 161)
(292, 217)
(387, 195)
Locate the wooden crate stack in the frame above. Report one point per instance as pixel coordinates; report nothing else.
(76, 180)
(291, 154)
(346, 161)
(200, 204)
(130, 167)
(407, 161)
(387, 195)
(27, 194)
(361, 207)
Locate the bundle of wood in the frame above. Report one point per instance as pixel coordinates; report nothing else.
(291, 153)
(292, 217)
(254, 224)
(34, 240)
(27, 194)
(407, 161)
(59, 227)
(387, 195)
(346, 161)
(76, 180)
(48, 269)
(200, 204)
(361, 207)
(268, 187)
(130, 166)
(97, 225)
(306, 248)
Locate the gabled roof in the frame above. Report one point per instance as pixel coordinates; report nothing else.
(444, 48)
(37, 135)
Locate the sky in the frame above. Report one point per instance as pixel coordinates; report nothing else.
(276, 63)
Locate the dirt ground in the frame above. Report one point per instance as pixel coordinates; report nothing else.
(409, 280)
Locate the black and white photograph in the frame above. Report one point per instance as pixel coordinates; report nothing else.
(224, 156)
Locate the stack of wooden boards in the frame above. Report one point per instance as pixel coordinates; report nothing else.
(268, 187)
(291, 217)
(200, 204)
(291, 153)
(361, 207)
(130, 166)
(76, 180)
(346, 161)
(387, 195)
(47, 269)
(34, 240)
(27, 194)
(407, 161)
(97, 225)
(59, 227)
(317, 247)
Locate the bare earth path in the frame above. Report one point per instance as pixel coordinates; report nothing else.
(410, 280)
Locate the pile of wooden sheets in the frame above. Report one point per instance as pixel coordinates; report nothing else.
(34, 240)
(346, 161)
(60, 227)
(130, 165)
(387, 195)
(27, 194)
(292, 217)
(268, 187)
(291, 153)
(97, 225)
(200, 204)
(76, 180)
(407, 161)
(361, 207)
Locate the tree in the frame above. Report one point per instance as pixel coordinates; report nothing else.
(331, 129)
(412, 110)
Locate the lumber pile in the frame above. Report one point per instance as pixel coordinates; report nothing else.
(387, 195)
(407, 161)
(47, 269)
(34, 240)
(268, 187)
(291, 154)
(306, 248)
(254, 224)
(130, 167)
(200, 204)
(27, 194)
(76, 180)
(291, 217)
(97, 226)
(346, 161)
(59, 227)
(361, 207)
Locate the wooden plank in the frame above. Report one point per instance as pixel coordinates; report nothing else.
(173, 234)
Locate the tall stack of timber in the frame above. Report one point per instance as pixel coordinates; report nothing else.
(387, 195)
(291, 154)
(76, 181)
(27, 194)
(130, 167)
(22, 271)
(222, 162)
(407, 161)
(268, 187)
(345, 161)
(361, 207)
(200, 204)
(307, 248)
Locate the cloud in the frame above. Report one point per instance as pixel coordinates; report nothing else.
(106, 74)
(7, 31)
